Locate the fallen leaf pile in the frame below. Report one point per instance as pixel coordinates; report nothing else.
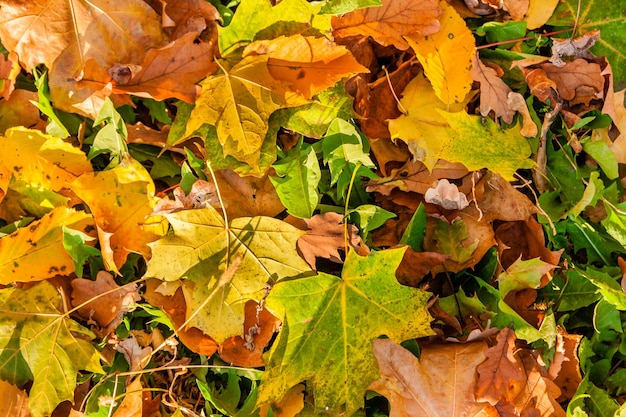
(343, 207)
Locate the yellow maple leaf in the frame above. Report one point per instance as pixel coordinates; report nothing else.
(121, 200)
(239, 102)
(447, 56)
(36, 252)
(421, 126)
(308, 64)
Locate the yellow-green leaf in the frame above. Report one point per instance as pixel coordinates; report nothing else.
(480, 143)
(238, 102)
(447, 56)
(38, 342)
(263, 250)
(36, 252)
(329, 326)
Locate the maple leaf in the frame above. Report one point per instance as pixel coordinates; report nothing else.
(310, 65)
(329, 324)
(450, 239)
(200, 248)
(511, 377)
(440, 383)
(40, 166)
(110, 305)
(121, 199)
(389, 22)
(239, 102)
(493, 91)
(421, 126)
(324, 237)
(482, 144)
(36, 252)
(167, 72)
(524, 274)
(447, 56)
(259, 19)
(39, 342)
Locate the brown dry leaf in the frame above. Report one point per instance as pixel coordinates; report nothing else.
(289, 406)
(121, 200)
(578, 81)
(9, 69)
(565, 367)
(201, 194)
(440, 383)
(325, 236)
(388, 23)
(18, 110)
(106, 309)
(510, 378)
(576, 48)
(308, 64)
(516, 102)
(132, 404)
(416, 265)
(414, 176)
(376, 102)
(135, 355)
(389, 154)
(191, 16)
(13, 401)
(499, 200)
(259, 328)
(175, 308)
(247, 196)
(523, 239)
(540, 85)
(493, 91)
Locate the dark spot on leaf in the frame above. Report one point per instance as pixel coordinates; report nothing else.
(15, 264)
(53, 269)
(450, 35)
(404, 174)
(31, 242)
(17, 168)
(301, 74)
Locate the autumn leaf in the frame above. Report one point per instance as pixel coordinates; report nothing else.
(111, 303)
(121, 200)
(40, 343)
(9, 69)
(13, 401)
(239, 102)
(389, 22)
(329, 324)
(41, 166)
(523, 274)
(451, 239)
(447, 56)
(36, 252)
(440, 383)
(310, 65)
(421, 126)
(18, 110)
(482, 144)
(200, 248)
(493, 91)
(511, 377)
(167, 72)
(258, 19)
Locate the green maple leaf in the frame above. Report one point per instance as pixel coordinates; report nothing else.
(523, 274)
(201, 247)
(39, 342)
(480, 143)
(330, 323)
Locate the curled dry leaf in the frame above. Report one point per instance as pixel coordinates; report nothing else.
(516, 102)
(389, 22)
(135, 355)
(565, 366)
(576, 48)
(493, 91)
(106, 302)
(259, 327)
(325, 237)
(440, 383)
(510, 378)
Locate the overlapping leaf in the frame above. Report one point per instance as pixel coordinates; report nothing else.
(330, 324)
(38, 342)
(200, 249)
